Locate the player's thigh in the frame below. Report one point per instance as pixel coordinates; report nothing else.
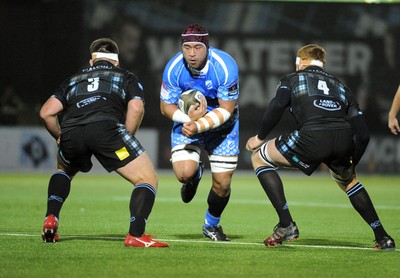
(112, 145)
(269, 155)
(140, 170)
(73, 154)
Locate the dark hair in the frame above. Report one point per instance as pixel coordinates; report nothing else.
(104, 45)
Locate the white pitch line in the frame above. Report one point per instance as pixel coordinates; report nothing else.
(286, 245)
(265, 202)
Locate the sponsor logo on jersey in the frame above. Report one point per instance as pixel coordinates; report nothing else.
(188, 85)
(326, 104)
(164, 90)
(88, 101)
(209, 84)
(233, 90)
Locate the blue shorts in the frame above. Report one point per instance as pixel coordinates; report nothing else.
(224, 142)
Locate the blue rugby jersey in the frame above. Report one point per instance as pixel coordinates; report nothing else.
(219, 79)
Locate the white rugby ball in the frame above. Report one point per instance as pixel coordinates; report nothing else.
(189, 98)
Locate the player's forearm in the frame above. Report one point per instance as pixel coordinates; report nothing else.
(52, 126)
(212, 119)
(272, 116)
(134, 116)
(168, 109)
(394, 110)
(274, 112)
(361, 137)
(133, 121)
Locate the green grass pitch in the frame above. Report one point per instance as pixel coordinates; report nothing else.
(334, 241)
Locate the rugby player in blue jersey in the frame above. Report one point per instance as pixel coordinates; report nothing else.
(213, 125)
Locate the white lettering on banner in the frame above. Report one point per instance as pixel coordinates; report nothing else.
(235, 51)
(382, 154)
(335, 58)
(160, 51)
(262, 62)
(359, 58)
(252, 83)
(281, 56)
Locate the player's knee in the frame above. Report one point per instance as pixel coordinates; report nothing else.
(185, 160)
(344, 180)
(185, 170)
(222, 191)
(261, 158)
(148, 177)
(255, 160)
(185, 174)
(222, 185)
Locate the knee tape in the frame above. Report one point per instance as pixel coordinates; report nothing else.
(264, 156)
(221, 164)
(185, 152)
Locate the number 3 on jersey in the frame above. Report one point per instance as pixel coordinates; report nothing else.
(94, 84)
(323, 87)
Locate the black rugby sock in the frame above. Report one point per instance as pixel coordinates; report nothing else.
(58, 191)
(217, 204)
(141, 204)
(362, 203)
(273, 187)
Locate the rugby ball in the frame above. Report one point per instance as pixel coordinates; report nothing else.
(189, 98)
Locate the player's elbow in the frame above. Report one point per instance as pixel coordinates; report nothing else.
(45, 114)
(162, 107)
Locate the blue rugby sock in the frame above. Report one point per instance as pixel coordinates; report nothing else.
(211, 220)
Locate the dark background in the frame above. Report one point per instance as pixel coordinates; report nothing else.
(43, 42)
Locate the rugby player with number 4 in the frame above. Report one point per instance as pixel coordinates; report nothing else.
(331, 130)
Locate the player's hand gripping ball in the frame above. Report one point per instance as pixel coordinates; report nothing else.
(188, 99)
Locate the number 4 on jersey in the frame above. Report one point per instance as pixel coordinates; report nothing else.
(323, 87)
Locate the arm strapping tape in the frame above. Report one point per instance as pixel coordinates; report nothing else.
(180, 117)
(212, 119)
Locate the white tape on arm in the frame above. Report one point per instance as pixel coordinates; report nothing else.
(212, 119)
(180, 117)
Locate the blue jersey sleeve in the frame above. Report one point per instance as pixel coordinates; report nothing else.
(228, 75)
(170, 88)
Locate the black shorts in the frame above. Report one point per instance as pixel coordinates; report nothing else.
(109, 142)
(307, 149)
